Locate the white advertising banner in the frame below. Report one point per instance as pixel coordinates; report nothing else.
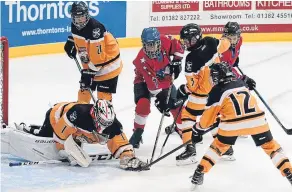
(253, 16)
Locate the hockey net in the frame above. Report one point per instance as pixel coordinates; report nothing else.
(4, 81)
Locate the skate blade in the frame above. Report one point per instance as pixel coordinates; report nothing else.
(188, 161)
(195, 187)
(243, 136)
(228, 158)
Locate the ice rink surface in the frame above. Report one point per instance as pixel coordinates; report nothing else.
(40, 81)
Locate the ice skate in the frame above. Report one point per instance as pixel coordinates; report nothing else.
(188, 156)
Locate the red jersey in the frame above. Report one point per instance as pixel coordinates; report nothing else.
(230, 56)
(146, 69)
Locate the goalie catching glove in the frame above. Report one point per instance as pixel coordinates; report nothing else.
(132, 164)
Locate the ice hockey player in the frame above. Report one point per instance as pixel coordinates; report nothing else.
(98, 51)
(240, 115)
(154, 68)
(72, 123)
(232, 32)
(203, 52)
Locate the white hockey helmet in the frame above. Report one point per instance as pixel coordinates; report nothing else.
(104, 114)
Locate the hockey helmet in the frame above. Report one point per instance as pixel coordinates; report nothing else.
(79, 14)
(221, 73)
(103, 114)
(151, 42)
(232, 31)
(190, 34)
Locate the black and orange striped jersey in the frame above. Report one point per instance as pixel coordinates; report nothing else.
(197, 70)
(72, 118)
(98, 49)
(238, 108)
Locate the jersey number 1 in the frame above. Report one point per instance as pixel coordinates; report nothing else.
(99, 49)
(245, 103)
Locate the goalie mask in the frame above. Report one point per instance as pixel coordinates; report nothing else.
(79, 14)
(103, 114)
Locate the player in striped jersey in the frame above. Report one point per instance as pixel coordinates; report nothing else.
(239, 115)
(98, 51)
(203, 52)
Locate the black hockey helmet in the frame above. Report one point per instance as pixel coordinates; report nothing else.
(190, 34)
(221, 73)
(79, 14)
(232, 31)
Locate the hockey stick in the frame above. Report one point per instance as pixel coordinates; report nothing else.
(174, 121)
(161, 121)
(175, 149)
(288, 131)
(96, 157)
(79, 67)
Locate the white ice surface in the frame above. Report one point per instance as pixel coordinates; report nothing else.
(39, 81)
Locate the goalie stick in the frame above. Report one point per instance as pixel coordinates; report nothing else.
(95, 157)
(287, 131)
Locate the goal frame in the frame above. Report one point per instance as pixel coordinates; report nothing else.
(5, 70)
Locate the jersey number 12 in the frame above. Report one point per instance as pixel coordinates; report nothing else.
(236, 104)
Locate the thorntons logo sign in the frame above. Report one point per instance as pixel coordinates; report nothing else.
(43, 11)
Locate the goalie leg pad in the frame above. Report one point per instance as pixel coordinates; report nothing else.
(76, 152)
(119, 146)
(28, 146)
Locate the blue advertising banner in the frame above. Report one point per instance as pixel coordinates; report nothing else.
(40, 22)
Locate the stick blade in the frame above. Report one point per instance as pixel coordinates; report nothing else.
(288, 131)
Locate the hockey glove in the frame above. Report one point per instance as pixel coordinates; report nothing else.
(87, 76)
(182, 92)
(70, 48)
(161, 102)
(251, 84)
(160, 74)
(197, 133)
(175, 68)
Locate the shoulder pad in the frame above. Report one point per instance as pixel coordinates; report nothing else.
(97, 28)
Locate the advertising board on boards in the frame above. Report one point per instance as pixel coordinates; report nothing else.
(253, 16)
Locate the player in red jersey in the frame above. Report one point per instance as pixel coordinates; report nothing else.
(153, 78)
(232, 32)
